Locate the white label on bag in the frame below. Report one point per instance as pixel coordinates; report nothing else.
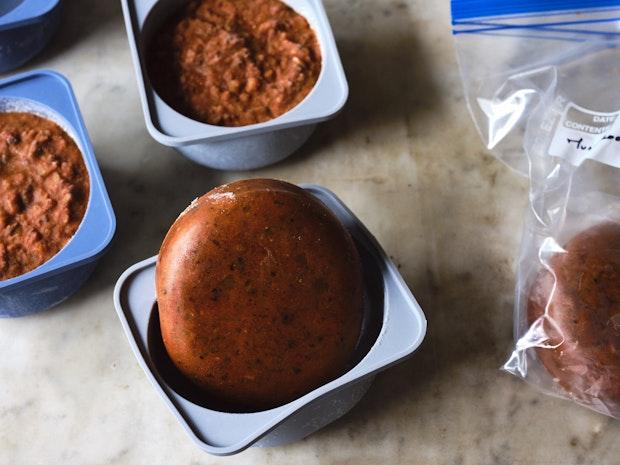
(587, 135)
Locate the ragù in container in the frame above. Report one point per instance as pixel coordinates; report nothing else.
(243, 147)
(48, 95)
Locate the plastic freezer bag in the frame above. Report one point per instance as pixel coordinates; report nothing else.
(542, 81)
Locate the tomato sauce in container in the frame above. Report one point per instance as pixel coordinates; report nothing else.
(56, 219)
(235, 84)
(234, 62)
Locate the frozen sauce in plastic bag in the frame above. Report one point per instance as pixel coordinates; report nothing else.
(576, 303)
(540, 81)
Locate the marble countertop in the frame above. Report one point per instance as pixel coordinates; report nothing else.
(406, 158)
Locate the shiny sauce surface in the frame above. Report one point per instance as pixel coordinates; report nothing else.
(260, 294)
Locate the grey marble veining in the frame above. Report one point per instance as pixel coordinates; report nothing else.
(405, 157)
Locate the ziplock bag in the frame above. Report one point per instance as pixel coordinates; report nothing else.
(542, 81)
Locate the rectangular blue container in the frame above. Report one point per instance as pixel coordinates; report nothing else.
(26, 27)
(49, 95)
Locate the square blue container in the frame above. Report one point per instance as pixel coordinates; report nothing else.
(26, 27)
(394, 328)
(49, 95)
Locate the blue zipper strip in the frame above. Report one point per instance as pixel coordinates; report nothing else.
(556, 26)
(468, 9)
(533, 36)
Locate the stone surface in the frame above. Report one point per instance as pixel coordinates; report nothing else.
(406, 158)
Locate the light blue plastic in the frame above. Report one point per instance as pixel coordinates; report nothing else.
(49, 94)
(401, 329)
(26, 27)
(243, 147)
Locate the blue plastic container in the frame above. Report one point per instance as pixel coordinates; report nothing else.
(393, 328)
(49, 94)
(26, 27)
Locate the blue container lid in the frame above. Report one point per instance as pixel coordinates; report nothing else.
(49, 94)
(15, 13)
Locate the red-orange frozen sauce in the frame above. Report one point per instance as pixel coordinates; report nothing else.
(234, 62)
(44, 189)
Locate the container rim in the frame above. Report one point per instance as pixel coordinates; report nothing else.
(51, 90)
(27, 12)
